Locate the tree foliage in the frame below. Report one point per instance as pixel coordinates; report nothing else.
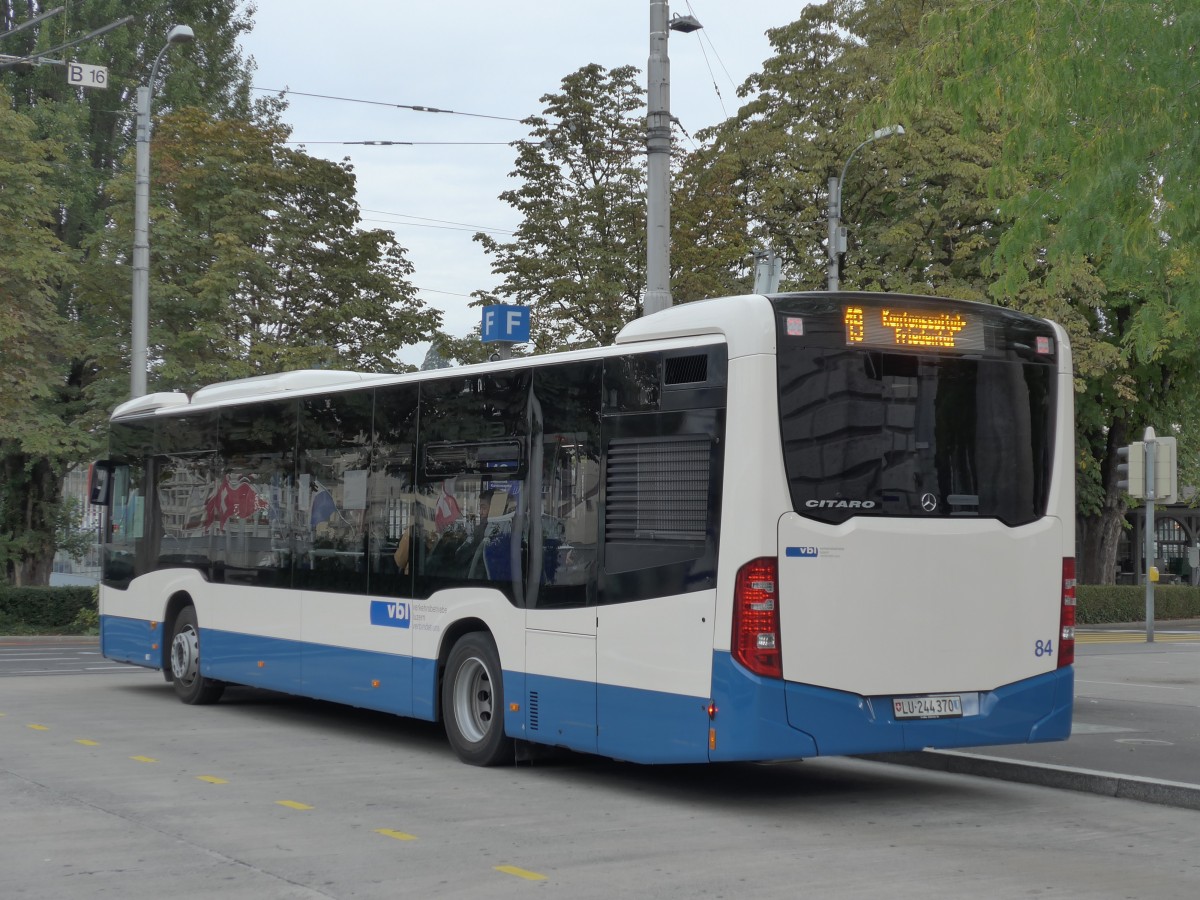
(37, 343)
(258, 264)
(915, 206)
(578, 258)
(1097, 178)
(64, 144)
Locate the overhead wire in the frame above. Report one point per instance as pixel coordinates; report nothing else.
(415, 108)
(708, 66)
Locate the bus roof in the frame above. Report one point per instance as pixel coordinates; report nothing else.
(746, 324)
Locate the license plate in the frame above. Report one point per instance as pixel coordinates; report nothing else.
(934, 706)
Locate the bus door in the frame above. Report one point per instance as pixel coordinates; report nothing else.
(560, 617)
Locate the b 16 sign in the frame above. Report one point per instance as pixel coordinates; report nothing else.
(83, 75)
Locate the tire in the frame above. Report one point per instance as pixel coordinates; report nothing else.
(473, 702)
(191, 687)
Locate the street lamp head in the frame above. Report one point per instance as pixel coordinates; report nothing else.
(181, 34)
(684, 24)
(887, 131)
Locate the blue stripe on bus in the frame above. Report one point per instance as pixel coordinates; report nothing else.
(827, 722)
(652, 726)
(756, 718)
(131, 640)
(325, 672)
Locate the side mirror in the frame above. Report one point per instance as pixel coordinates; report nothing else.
(100, 480)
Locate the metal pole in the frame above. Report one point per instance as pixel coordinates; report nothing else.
(658, 165)
(1150, 443)
(141, 247)
(139, 330)
(837, 237)
(835, 224)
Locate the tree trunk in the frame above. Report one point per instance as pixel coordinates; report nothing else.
(1099, 537)
(32, 491)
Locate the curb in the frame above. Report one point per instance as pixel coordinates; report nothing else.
(49, 639)
(1108, 784)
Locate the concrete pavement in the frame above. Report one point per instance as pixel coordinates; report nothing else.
(1136, 727)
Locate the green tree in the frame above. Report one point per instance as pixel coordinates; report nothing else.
(80, 139)
(1097, 176)
(36, 344)
(578, 258)
(919, 216)
(258, 264)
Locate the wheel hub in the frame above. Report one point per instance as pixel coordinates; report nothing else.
(185, 655)
(473, 700)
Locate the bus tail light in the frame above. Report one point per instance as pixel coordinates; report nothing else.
(1066, 637)
(756, 643)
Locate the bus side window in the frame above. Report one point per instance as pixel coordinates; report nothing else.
(569, 398)
(391, 508)
(255, 499)
(333, 474)
(472, 477)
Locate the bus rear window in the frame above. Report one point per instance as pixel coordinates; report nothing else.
(931, 429)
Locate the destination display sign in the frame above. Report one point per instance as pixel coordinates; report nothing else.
(913, 328)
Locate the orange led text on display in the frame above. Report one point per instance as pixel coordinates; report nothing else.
(907, 328)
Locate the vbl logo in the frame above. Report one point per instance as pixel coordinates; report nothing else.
(392, 613)
(801, 551)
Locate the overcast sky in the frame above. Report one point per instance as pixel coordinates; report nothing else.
(490, 58)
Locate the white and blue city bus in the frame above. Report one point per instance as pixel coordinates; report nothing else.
(757, 527)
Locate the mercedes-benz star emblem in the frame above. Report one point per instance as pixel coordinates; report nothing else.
(928, 502)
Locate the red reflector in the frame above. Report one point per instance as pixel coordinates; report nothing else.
(756, 643)
(1066, 637)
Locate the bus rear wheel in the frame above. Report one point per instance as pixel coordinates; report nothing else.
(473, 702)
(190, 686)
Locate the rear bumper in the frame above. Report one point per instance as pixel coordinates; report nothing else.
(761, 718)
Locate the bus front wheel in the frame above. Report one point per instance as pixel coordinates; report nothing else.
(190, 685)
(473, 702)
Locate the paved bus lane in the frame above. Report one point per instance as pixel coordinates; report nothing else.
(123, 791)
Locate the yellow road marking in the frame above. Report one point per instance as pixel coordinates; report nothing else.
(398, 835)
(1134, 637)
(211, 779)
(39, 727)
(143, 759)
(292, 804)
(87, 743)
(521, 873)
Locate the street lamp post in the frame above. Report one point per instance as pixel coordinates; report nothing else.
(179, 34)
(837, 234)
(658, 162)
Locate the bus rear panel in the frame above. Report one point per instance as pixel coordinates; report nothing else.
(921, 588)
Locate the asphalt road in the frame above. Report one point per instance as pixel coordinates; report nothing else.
(109, 787)
(55, 656)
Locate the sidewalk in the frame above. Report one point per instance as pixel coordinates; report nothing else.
(1136, 728)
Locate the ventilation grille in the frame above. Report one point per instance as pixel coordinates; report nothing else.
(532, 709)
(657, 490)
(687, 369)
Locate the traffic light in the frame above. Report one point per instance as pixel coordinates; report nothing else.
(1166, 471)
(1131, 469)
